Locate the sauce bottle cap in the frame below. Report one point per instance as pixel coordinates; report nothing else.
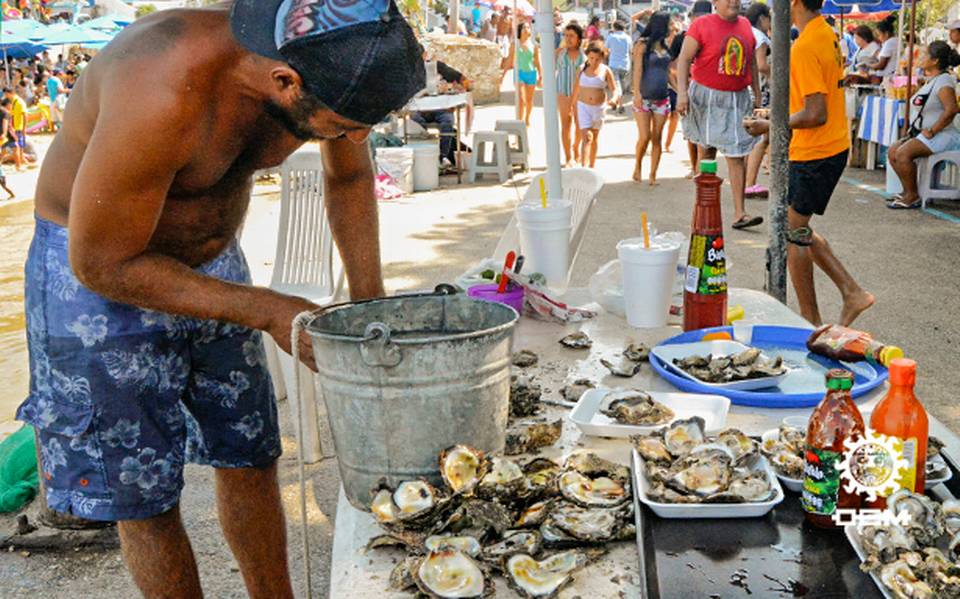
(903, 371)
(708, 166)
(890, 353)
(839, 379)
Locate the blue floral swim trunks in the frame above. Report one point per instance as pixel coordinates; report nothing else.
(121, 397)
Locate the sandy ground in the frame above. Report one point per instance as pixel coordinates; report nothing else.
(904, 258)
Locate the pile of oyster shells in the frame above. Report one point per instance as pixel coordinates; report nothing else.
(919, 559)
(683, 465)
(535, 523)
(748, 364)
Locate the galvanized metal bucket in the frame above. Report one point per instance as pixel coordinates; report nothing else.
(406, 377)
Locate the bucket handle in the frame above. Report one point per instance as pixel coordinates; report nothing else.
(440, 290)
(377, 349)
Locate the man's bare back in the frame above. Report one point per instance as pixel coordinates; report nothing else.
(190, 53)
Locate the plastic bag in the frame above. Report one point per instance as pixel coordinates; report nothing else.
(18, 470)
(606, 288)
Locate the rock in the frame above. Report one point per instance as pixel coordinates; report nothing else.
(524, 358)
(532, 437)
(524, 397)
(478, 60)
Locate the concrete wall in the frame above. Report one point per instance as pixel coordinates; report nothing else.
(478, 60)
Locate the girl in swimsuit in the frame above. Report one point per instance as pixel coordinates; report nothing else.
(528, 69)
(590, 90)
(569, 60)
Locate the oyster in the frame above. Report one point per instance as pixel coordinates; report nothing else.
(465, 544)
(415, 500)
(926, 517)
(534, 515)
(382, 507)
(636, 408)
(703, 474)
(743, 447)
(885, 543)
(692, 362)
(504, 479)
(524, 359)
(900, 578)
(578, 340)
(771, 446)
(593, 465)
(452, 573)
(533, 436)
(752, 488)
(651, 448)
(951, 515)
(402, 577)
(748, 364)
(624, 368)
(637, 352)
(541, 475)
(524, 397)
(663, 494)
(683, 435)
(788, 464)
(480, 519)
(794, 438)
(555, 538)
(746, 357)
(593, 492)
(542, 579)
(462, 468)
(514, 541)
(934, 446)
(574, 390)
(591, 525)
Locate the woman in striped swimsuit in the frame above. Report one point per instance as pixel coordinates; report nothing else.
(570, 58)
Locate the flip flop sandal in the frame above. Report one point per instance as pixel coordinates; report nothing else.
(747, 221)
(894, 198)
(899, 204)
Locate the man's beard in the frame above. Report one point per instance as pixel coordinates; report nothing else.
(295, 119)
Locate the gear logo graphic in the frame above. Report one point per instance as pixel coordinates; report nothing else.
(872, 465)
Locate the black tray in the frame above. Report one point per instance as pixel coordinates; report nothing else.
(779, 554)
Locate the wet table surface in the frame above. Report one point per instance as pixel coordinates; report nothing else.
(682, 558)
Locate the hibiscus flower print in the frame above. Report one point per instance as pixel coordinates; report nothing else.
(253, 353)
(146, 368)
(225, 393)
(145, 470)
(250, 426)
(38, 413)
(124, 432)
(91, 330)
(74, 388)
(52, 455)
(62, 282)
(86, 444)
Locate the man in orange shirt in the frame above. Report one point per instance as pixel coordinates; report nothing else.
(818, 155)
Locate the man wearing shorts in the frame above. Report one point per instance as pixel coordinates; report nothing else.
(719, 53)
(818, 155)
(619, 46)
(143, 328)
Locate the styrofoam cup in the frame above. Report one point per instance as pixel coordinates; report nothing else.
(647, 280)
(545, 239)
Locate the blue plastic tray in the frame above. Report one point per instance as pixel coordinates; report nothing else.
(803, 388)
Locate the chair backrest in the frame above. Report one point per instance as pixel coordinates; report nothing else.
(305, 254)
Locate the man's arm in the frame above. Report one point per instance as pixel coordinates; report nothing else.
(351, 206)
(114, 213)
(687, 53)
(813, 114)
(948, 97)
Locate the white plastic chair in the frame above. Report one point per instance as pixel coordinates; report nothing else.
(932, 174)
(581, 187)
(306, 265)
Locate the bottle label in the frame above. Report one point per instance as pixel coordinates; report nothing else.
(908, 475)
(821, 481)
(707, 266)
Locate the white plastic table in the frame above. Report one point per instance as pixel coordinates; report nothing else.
(432, 104)
(355, 574)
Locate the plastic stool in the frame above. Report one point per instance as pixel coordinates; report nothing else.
(521, 150)
(499, 164)
(931, 184)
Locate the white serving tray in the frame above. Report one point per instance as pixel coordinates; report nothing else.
(667, 354)
(936, 481)
(706, 510)
(792, 484)
(853, 535)
(586, 414)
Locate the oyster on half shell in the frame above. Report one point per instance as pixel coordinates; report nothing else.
(600, 491)
(636, 408)
(591, 525)
(465, 544)
(504, 479)
(651, 448)
(543, 579)
(451, 573)
(462, 468)
(637, 352)
(683, 435)
(623, 368)
(578, 340)
(514, 541)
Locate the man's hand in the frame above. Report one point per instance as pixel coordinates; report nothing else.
(281, 324)
(756, 127)
(928, 133)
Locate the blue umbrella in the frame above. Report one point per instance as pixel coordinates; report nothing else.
(107, 23)
(63, 34)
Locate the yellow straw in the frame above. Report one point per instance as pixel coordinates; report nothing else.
(543, 193)
(646, 230)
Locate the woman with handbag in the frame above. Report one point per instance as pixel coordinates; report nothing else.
(931, 129)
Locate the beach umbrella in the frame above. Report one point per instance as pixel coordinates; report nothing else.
(65, 34)
(104, 23)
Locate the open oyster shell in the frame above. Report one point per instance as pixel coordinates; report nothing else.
(450, 573)
(462, 467)
(542, 579)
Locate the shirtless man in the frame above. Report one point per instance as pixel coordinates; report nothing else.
(143, 328)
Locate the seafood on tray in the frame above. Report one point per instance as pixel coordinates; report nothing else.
(683, 465)
(535, 524)
(748, 364)
(920, 556)
(636, 408)
(785, 452)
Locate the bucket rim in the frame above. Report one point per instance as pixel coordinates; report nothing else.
(406, 340)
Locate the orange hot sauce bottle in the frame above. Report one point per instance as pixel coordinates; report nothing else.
(900, 414)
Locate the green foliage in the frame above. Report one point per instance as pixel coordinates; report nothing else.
(145, 9)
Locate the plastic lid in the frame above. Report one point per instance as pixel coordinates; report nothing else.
(839, 379)
(708, 166)
(903, 371)
(890, 353)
